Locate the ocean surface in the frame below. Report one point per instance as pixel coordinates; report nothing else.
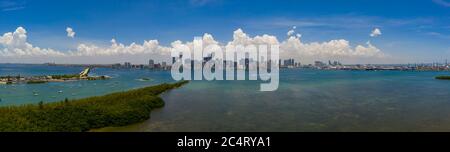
(307, 100)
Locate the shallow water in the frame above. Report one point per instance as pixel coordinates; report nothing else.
(122, 80)
(307, 100)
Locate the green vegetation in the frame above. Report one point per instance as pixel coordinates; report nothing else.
(112, 110)
(65, 76)
(6, 77)
(97, 78)
(36, 82)
(443, 77)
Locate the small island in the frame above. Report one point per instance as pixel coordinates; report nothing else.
(51, 78)
(443, 77)
(112, 110)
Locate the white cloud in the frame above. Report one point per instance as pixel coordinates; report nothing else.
(291, 31)
(333, 49)
(14, 44)
(375, 32)
(14, 47)
(70, 32)
(309, 52)
(148, 47)
(241, 38)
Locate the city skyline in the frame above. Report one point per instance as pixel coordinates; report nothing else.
(290, 63)
(103, 32)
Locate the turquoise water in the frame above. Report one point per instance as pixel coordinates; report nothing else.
(122, 80)
(307, 100)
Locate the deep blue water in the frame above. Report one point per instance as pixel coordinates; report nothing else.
(307, 100)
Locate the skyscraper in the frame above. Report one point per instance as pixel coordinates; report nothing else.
(289, 62)
(127, 65)
(151, 64)
(163, 65)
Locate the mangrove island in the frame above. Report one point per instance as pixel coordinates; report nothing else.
(111, 110)
(443, 77)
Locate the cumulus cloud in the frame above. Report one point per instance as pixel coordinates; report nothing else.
(291, 31)
(14, 45)
(148, 47)
(15, 48)
(241, 38)
(70, 32)
(340, 49)
(375, 32)
(293, 47)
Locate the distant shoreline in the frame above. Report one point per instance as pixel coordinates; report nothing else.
(50, 78)
(343, 67)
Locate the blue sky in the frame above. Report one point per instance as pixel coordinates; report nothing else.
(412, 30)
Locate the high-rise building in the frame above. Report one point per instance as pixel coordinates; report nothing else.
(151, 64)
(127, 65)
(319, 64)
(289, 62)
(286, 63)
(163, 65)
(115, 66)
